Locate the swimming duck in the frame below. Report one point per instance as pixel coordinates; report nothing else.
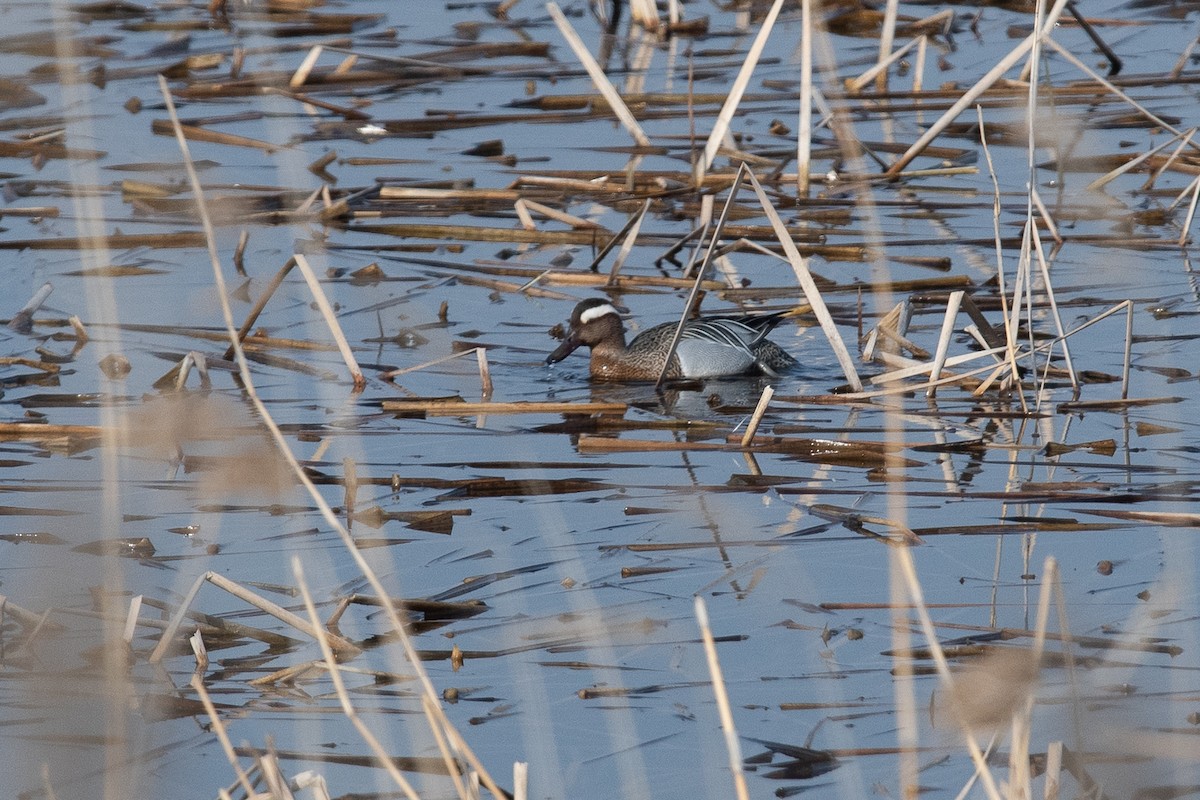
(709, 347)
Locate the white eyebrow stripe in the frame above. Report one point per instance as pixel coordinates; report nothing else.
(596, 313)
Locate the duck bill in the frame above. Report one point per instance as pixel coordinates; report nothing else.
(563, 350)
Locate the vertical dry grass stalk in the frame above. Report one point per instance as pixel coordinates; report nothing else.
(943, 345)
(759, 410)
(218, 726)
(732, 747)
(986, 82)
(887, 37)
(601, 81)
(285, 452)
(804, 126)
(339, 687)
(630, 231)
(736, 90)
(811, 292)
(1009, 331)
(703, 268)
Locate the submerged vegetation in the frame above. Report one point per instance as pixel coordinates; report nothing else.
(296, 507)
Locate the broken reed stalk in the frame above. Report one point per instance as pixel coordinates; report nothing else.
(759, 410)
(339, 687)
(1128, 349)
(344, 646)
(394, 373)
(260, 304)
(239, 253)
(1058, 325)
(804, 126)
(619, 237)
(300, 76)
(335, 328)
(131, 619)
(1133, 163)
(887, 37)
(599, 79)
(1191, 212)
(732, 746)
(349, 485)
(520, 780)
(218, 726)
(971, 95)
(855, 85)
(811, 292)
(943, 345)
(485, 374)
(1009, 336)
(729, 108)
(630, 233)
(1044, 212)
(712, 246)
(302, 476)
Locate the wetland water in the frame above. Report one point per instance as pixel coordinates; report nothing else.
(560, 552)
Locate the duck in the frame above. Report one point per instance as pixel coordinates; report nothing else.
(709, 347)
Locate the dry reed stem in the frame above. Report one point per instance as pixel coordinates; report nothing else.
(521, 768)
(485, 374)
(887, 38)
(131, 619)
(1044, 212)
(218, 726)
(729, 108)
(972, 94)
(300, 76)
(1053, 780)
(1058, 326)
(394, 373)
(919, 71)
(811, 292)
(943, 344)
(335, 328)
(561, 216)
(281, 444)
(732, 746)
(630, 232)
(855, 85)
(1133, 163)
(1191, 212)
(1170, 160)
(260, 304)
(644, 13)
(454, 407)
(752, 427)
(712, 246)
(199, 651)
(599, 79)
(1009, 331)
(804, 126)
(339, 687)
(220, 581)
(904, 561)
(1128, 349)
(443, 746)
(1091, 73)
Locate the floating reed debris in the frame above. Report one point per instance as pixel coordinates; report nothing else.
(456, 406)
